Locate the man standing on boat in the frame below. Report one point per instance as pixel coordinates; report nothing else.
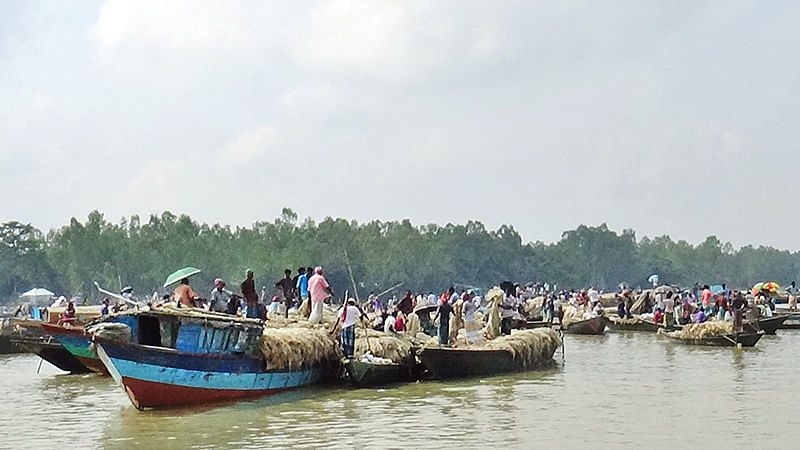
(348, 316)
(443, 313)
(320, 290)
(249, 294)
(287, 288)
(218, 300)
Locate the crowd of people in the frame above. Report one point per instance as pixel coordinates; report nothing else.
(308, 290)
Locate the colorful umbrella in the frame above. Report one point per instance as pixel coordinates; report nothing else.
(771, 286)
(756, 288)
(181, 274)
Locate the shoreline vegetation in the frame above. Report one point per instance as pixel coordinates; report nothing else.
(138, 253)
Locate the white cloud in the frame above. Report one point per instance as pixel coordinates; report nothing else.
(249, 145)
(554, 114)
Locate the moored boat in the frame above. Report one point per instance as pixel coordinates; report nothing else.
(792, 321)
(595, 326)
(367, 373)
(767, 324)
(720, 340)
(78, 343)
(446, 363)
(7, 331)
(522, 350)
(50, 350)
(174, 359)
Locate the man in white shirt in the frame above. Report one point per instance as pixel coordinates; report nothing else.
(388, 324)
(669, 310)
(348, 316)
(594, 296)
(218, 300)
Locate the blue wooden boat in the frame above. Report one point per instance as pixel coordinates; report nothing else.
(177, 359)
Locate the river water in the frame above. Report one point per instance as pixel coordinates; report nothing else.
(621, 390)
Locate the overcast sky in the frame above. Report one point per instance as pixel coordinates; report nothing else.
(666, 117)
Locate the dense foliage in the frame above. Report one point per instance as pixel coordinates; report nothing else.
(380, 255)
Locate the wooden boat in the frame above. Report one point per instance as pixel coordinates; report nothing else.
(595, 325)
(640, 325)
(792, 321)
(446, 363)
(49, 349)
(77, 342)
(537, 324)
(177, 359)
(7, 331)
(768, 324)
(8, 347)
(366, 374)
(724, 340)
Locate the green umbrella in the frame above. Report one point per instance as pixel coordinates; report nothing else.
(181, 274)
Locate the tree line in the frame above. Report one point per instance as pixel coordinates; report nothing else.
(378, 254)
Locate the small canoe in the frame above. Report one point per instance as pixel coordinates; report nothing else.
(77, 342)
(639, 325)
(724, 340)
(595, 325)
(768, 324)
(446, 363)
(367, 374)
(53, 352)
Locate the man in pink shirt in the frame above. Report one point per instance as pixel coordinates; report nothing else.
(320, 290)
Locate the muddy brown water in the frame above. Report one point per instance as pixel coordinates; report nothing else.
(621, 390)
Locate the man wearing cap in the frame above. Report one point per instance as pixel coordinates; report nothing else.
(249, 294)
(219, 297)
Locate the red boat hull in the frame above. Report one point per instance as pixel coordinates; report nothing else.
(150, 394)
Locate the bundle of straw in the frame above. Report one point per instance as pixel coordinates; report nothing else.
(297, 347)
(705, 329)
(494, 297)
(384, 345)
(530, 348)
(112, 331)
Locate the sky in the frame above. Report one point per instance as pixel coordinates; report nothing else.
(665, 117)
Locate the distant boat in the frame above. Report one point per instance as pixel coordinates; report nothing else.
(720, 340)
(177, 359)
(767, 324)
(595, 325)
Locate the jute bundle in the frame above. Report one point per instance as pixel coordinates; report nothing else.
(5, 327)
(458, 321)
(384, 345)
(413, 325)
(572, 315)
(305, 308)
(530, 348)
(494, 297)
(533, 306)
(293, 348)
(625, 321)
(705, 329)
(112, 331)
(638, 305)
